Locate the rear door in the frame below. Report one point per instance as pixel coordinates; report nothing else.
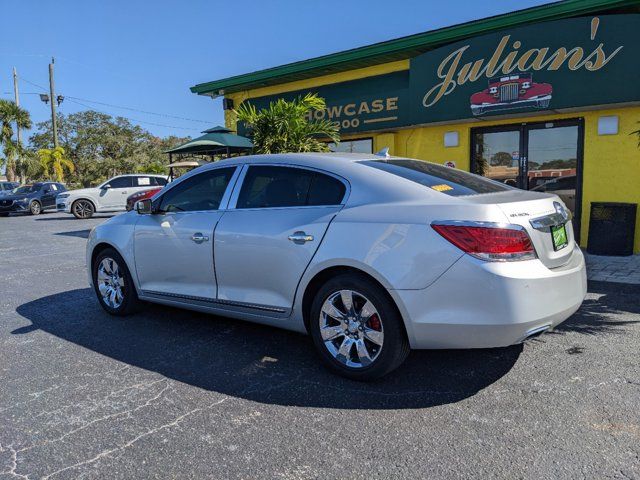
(264, 244)
(49, 193)
(174, 247)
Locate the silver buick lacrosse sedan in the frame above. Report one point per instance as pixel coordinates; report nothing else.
(370, 255)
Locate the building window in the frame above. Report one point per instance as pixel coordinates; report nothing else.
(358, 145)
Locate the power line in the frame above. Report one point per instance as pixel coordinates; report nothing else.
(132, 109)
(134, 119)
(138, 110)
(76, 101)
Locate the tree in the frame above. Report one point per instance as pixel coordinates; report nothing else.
(284, 126)
(101, 146)
(11, 113)
(54, 158)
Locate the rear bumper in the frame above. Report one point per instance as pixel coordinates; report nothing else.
(478, 304)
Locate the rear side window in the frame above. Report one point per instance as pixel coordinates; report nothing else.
(438, 177)
(201, 192)
(325, 190)
(269, 187)
(159, 181)
(121, 182)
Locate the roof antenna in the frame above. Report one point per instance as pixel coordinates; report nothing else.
(383, 153)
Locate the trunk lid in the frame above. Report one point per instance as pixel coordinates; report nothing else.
(536, 212)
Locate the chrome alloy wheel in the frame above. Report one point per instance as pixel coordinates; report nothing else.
(110, 282)
(351, 328)
(83, 209)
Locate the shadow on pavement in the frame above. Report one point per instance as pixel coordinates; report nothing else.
(262, 364)
(76, 233)
(594, 315)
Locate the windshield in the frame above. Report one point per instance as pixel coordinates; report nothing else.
(447, 180)
(27, 189)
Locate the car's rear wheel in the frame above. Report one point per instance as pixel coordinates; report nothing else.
(113, 284)
(82, 209)
(35, 208)
(357, 329)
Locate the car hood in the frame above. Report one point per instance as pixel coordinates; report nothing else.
(82, 191)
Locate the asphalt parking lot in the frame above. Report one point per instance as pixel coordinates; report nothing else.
(175, 394)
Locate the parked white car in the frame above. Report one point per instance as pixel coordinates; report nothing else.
(371, 256)
(111, 196)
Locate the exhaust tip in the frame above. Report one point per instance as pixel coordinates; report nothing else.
(535, 332)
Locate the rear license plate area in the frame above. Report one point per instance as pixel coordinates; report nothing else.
(559, 237)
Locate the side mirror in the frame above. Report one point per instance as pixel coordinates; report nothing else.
(105, 187)
(144, 207)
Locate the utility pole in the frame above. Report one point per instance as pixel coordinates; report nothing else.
(53, 104)
(16, 94)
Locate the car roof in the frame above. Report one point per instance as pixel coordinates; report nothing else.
(140, 175)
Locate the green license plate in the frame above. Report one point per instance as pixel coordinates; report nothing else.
(559, 237)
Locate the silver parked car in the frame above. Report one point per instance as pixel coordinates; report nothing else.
(370, 255)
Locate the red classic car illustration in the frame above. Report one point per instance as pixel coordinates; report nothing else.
(509, 92)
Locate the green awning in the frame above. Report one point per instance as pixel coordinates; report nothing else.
(216, 140)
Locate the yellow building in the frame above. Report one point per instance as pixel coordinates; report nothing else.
(545, 98)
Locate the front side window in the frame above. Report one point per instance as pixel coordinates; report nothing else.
(274, 186)
(121, 182)
(201, 192)
(449, 181)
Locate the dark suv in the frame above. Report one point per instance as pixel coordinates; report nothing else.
(31, 199)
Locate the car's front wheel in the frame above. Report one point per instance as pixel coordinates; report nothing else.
(113, 284)
(357, 329)
(82, 209)
(35, 208)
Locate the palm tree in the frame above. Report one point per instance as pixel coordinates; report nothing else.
(11, 113)
(285, 126)
(54, 158)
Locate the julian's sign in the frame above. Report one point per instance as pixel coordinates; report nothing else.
(552, 65)
(579, 62)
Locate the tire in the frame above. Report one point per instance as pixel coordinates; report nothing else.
(82, 209)
(106, 279)
(381, 323)
(4, 214)
(35, 208)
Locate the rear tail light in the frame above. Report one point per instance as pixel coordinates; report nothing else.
(495, 242)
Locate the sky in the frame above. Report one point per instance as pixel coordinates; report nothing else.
(145, 55)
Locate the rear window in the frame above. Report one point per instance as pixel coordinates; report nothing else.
(438, 177)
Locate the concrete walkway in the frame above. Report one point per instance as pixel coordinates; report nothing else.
(613, 269)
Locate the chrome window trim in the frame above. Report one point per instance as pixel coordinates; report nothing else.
(234, 200)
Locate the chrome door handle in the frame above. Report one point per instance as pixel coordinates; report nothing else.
(300, 238)
(199, 238)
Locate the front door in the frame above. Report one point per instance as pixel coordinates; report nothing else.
(545, 157)
(174, 246)
(264, 245)
(115, 196)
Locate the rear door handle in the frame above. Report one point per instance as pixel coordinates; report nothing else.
(199, 238)
(300, 238)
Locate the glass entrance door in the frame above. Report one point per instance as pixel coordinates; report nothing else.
(544, 157)
(497, 155)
